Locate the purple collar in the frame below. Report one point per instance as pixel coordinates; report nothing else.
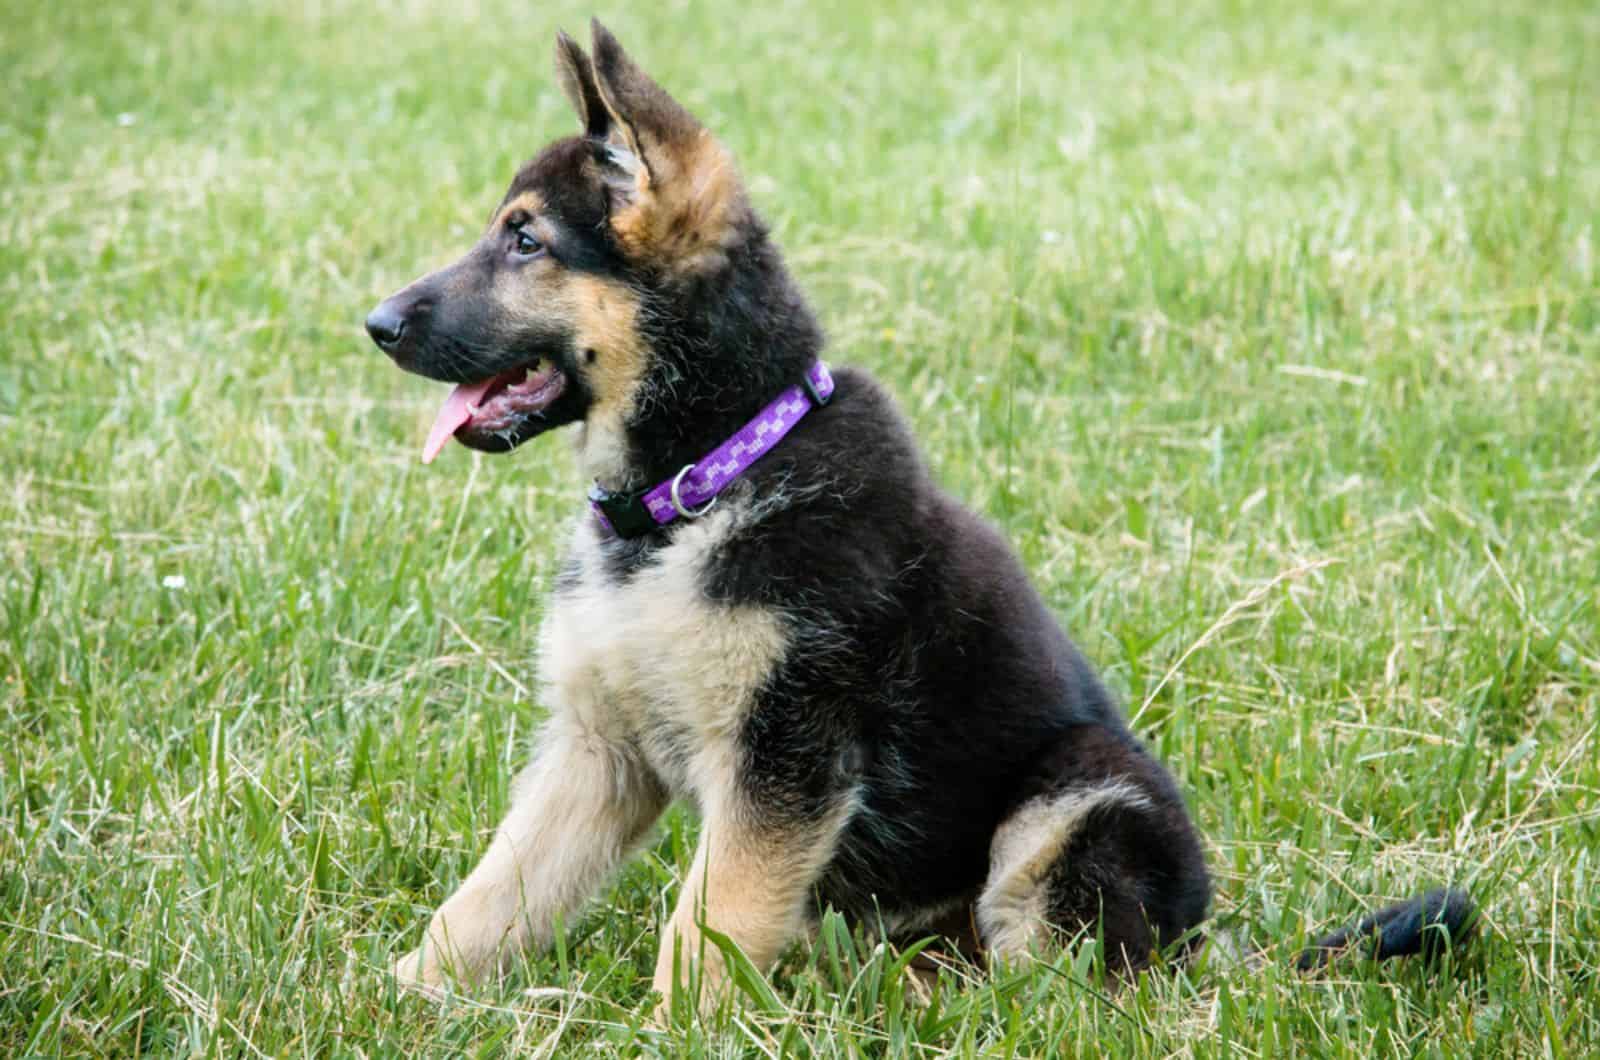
(692, 491)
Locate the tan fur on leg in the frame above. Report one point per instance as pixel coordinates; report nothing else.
(576, 812)
(749, 882)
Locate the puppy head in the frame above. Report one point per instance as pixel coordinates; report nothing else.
(540, 324)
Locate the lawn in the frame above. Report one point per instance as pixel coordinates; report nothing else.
(1269, 332)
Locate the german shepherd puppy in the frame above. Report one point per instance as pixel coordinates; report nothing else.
(845, 671)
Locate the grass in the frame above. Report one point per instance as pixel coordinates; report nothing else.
(1270, 334)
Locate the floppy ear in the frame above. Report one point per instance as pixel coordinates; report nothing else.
(576, 76)
(683, 203)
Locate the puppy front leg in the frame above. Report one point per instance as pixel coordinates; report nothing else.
(576, 812)
(750, 880)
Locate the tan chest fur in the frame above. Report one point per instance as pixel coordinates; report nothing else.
(651, 663)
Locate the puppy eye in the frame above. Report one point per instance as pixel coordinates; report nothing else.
(527, 245)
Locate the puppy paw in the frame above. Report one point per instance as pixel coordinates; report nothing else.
(419, 972)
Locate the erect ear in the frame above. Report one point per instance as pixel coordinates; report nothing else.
(576, 75)
(651, 123)
(685, 197)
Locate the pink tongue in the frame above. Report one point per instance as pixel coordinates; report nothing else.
(458, 409)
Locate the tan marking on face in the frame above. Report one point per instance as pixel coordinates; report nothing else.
(601, 315)
(529, 202)
(605, 318)
(534, 291)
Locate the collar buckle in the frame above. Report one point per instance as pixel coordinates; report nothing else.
(625, 513)
(818, 398)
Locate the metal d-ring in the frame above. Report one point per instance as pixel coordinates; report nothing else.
(677, 501)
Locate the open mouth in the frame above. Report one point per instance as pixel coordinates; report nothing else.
(498, 404)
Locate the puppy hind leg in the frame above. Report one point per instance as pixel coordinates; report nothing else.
(1026, 862)
(1111, 859)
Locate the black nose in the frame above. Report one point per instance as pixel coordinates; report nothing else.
(386, 324)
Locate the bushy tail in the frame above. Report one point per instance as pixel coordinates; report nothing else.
(1431, 925)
